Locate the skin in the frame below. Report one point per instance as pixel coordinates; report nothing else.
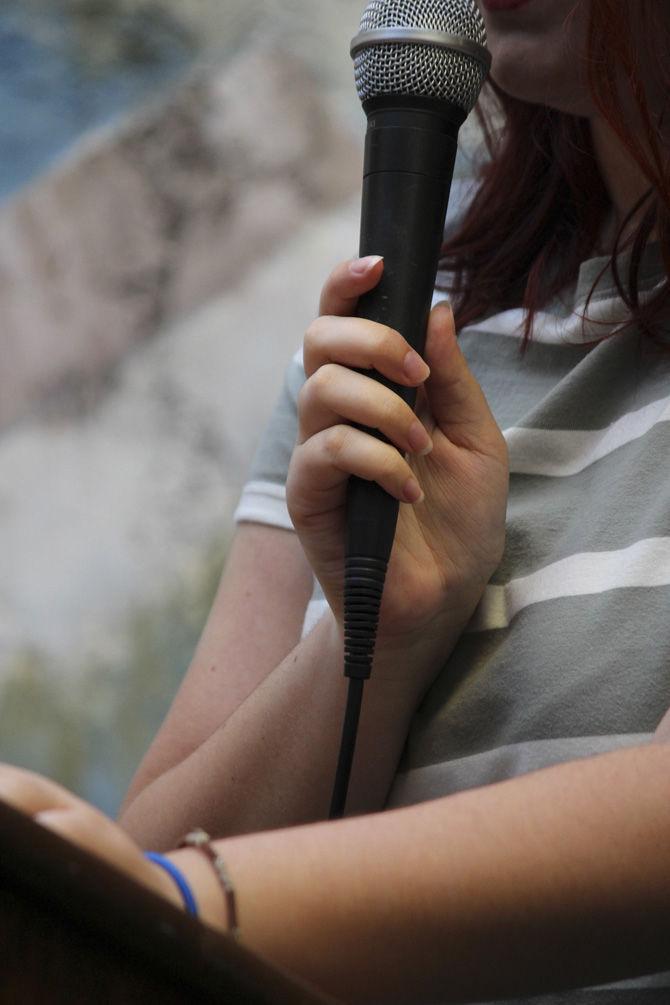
(571, 862)
(538, 53)
(557, 879)
(446, 549)
(532, 45)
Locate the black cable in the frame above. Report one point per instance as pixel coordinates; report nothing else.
(347, 746)
(363, 588)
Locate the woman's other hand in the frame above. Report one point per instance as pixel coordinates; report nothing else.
(57, 809)
(450, 468)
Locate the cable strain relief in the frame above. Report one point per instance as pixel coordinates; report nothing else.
(363, 589)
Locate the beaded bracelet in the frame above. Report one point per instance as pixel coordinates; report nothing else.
(178, 878)
(201, 841)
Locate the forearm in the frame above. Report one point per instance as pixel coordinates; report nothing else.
(272, 763)
(255, 622)
(560, 878)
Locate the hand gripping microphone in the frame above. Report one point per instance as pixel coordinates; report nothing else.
(419, 67)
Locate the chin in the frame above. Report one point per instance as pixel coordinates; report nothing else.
(556, 84)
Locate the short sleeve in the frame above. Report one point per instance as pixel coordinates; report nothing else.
(263, 498)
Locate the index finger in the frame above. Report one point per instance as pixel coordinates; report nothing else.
(347, 283)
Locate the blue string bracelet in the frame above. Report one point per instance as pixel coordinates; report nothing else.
(179, 879)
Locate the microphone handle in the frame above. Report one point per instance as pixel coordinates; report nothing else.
(409, 161)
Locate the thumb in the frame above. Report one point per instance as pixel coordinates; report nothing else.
(455, 399)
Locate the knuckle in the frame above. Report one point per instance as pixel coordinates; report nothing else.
(335, 440)
(323, 379)
(315, 330)
(383, 347)
(377, 344)
(391, 465)
(305, 397)
(394, 416)
(316, 388)
(391, 339)
(391, 412)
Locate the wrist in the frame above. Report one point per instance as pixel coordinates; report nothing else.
(162, 883)
(203, 882)
(412, 659)
(407, 660)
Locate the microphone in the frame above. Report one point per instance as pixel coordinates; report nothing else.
(419, 67)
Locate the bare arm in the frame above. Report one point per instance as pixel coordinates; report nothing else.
(251, 740)
(255, 622)
(256, 619)
(272, 763)
(557, 879)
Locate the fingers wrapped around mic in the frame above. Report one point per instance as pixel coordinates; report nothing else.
(347, 282)
(334, 393)
(322, 464)
(365, 345)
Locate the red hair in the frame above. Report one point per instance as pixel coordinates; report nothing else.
(541, 201)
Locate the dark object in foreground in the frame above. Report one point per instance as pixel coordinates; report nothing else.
(73, 929)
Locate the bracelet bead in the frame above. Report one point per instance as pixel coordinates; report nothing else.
(201, 841)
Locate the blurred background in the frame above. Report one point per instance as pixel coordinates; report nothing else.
(177, 177)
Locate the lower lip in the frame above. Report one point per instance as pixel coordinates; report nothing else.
(496, 5)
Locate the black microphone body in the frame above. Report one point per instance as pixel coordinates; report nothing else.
(419, 67)
(409, 162)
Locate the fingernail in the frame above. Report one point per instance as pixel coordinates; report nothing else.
(361, 266)
(415, 368)
(419, 440)
(413, 492)
(44, 817)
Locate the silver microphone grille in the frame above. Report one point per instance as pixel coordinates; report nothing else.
(427, 48)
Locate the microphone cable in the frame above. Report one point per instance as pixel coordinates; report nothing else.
(347, 746)
(372, 518)
(363, 588)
